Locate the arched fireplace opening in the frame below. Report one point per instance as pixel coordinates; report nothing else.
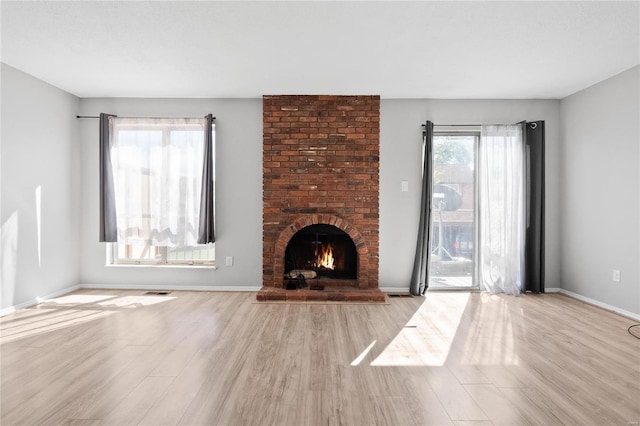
(324, 249)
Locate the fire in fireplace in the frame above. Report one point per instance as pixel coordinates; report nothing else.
(324, 249)
(325, 259)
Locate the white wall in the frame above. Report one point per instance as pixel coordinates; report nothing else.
(400, 159)
(600, 194)
(59, 155)
(38, 156)
(238, 196)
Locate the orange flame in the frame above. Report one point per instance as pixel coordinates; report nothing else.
(325, 257)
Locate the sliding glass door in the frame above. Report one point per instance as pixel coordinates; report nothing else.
(454, 212)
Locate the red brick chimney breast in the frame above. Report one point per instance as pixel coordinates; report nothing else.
(321, 157)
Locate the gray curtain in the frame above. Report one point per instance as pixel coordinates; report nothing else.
(108, 225)
(420, 275)
(534, 245)
(207, 200)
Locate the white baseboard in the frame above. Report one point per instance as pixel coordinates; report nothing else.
(58, 293)
(594, 302)
(64, 291)
(394, 290)
(37, 300)
(168, 287)
(577, 296)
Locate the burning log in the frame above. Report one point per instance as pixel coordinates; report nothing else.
(306, 273)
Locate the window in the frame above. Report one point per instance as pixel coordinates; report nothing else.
(157, 171)
(124, 254)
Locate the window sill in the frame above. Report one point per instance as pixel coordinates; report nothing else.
(135, 265)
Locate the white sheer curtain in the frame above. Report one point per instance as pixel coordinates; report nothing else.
(157, 169)
(501, 186)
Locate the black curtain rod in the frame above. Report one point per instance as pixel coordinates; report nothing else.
(533, 125)
(91, 116)
(469, 125)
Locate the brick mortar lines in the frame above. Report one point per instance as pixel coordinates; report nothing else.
(321, 155)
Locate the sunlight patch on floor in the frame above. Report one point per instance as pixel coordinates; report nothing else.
(447, 329)
(490, 338)
(363, 355)
(134, 301)
(46, 324)
(69, 311)
(77, 299)
(427, 337)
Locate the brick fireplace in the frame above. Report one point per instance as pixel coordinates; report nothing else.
(321, 158)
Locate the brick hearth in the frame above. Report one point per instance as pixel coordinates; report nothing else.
(321, 159)
(329, 294)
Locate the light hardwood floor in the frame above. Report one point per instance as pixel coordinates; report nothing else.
(100, 357)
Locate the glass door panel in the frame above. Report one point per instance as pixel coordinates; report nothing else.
(453, 217)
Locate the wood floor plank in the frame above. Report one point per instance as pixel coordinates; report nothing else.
(56, 392)
(452, 395)
(496, 405)
(108, 394)
(200, 358)
(169, 408)
(137, 403)
(419, 403)
(81, 422)
(343, 398)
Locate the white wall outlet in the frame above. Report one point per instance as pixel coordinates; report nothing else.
(404, 186)
(616, 275)
(228, 261)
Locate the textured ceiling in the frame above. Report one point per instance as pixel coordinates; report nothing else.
(394, 49)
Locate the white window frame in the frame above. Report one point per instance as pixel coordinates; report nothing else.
(163, 260)
(476, 135)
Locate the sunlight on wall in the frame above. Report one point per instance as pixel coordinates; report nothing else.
(39, 222)
(8, 259)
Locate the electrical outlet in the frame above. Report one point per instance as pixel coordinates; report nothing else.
(616, 275)
(229, 261)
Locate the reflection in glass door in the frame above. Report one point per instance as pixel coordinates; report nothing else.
(453, 217)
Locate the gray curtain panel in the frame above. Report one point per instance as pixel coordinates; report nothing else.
(207, 200)
(534, 245)
(108, 225)
(420, 275)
